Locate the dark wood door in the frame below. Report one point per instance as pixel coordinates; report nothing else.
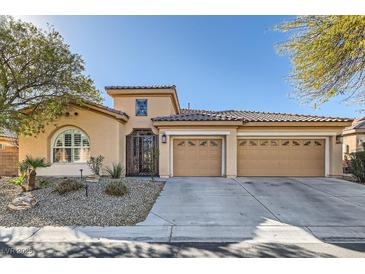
(142, 153)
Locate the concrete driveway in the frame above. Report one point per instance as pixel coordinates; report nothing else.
(265, 208)
(219, 217)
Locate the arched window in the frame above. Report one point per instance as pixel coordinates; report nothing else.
(71, 146)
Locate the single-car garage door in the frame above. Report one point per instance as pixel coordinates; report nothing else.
(197, 157)
(281, 157)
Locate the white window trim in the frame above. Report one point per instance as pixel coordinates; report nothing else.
(53, 139)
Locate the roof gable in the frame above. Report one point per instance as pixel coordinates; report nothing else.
(7, 133)
(118, 114)
(155, 90)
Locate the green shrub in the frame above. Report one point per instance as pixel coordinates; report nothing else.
(68, 185)
(18, 180)
(95, 164)
(43, 183)
(23, 167)
(116, 172)
(356, 165)
(116, 188)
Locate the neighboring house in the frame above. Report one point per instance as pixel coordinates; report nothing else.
(190, 142)
(354, 136)
(8, 153)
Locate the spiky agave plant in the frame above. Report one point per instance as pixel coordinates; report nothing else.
(116, 172)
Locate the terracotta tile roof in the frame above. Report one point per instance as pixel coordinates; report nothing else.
(142, 87)
(7, 133)
(108, 109)
(357, 124)
(245, 116)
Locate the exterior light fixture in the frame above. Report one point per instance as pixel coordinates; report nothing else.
(339, 139)
(164, 138)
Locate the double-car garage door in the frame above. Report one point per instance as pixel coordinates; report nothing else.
(280, 157)
(255, 157)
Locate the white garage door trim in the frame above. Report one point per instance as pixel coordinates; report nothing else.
(171, 149)
(287, 133)
(196, 132)
(298, 136)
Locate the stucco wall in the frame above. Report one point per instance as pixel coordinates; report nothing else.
(336, 162)
(156, 106)
(351, 141)
(105, 139)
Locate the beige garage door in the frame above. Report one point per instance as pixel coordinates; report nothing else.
(281, 157)
(197, 157)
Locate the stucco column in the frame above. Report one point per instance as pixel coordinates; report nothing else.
(164, 158)
(231, 154)
(335, 152)
(122, 148)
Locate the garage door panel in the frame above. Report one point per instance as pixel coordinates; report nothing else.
(281, 157)
(197, 157)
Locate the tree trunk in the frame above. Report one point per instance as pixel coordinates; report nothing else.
(31, 180)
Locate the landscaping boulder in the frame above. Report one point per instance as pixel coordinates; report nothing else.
(22, 202)
(92, 179)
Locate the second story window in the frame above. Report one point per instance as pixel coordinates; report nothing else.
(141, 107)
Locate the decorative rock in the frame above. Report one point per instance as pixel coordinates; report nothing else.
(114, 180)
(22, 202)
(92, 179)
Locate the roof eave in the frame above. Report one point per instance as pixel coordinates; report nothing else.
(299, 123)
(120, 116)
(352, 131)
(196, 123)
(8, 137)
(141, 87)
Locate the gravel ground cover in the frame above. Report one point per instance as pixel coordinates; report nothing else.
(74, 208)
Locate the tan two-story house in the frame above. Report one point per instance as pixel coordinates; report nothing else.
(189, 142)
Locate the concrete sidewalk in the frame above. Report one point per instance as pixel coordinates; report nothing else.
(274, 233)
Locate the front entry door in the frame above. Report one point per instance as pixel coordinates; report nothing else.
(142, 153)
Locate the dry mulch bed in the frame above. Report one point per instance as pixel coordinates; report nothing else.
(75, 209)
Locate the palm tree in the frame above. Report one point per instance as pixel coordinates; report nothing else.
(29, 166)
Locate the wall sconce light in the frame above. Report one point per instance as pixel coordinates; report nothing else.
(339, 139)
(164, 138)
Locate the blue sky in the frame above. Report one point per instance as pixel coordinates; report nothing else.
(216, 62)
